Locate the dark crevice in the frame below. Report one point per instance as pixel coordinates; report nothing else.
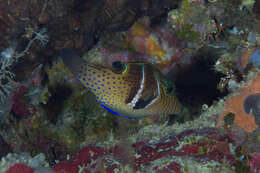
(55, 103)
(197, 84)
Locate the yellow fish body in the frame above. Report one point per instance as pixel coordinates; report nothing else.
(129, 89)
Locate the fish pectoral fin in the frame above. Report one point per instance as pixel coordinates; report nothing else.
(146, 98)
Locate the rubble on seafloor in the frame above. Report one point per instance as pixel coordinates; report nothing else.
(51, 123)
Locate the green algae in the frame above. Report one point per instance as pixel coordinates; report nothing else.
(242, 167)
(187, 34)
(229, 118)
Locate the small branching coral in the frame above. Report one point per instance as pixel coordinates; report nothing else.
(9, 56)
(6, 76)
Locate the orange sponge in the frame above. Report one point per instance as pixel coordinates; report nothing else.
(244, 116)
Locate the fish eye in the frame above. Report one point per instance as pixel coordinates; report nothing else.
(118, 67)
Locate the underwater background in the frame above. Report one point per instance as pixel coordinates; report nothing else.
(125, 86)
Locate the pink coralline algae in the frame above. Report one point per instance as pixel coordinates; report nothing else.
(157, 45)
(210, 147)
(19, 168)
(83, 157)
(19, 106)
(255, 163)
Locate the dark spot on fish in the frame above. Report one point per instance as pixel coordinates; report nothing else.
(169, 90)
(169, 86)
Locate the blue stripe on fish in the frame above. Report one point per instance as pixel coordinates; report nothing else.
(117, 113)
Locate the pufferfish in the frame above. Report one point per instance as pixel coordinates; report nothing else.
(132, 90)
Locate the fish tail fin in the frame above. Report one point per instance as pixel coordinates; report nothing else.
(71, 60)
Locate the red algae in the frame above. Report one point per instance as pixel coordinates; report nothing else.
(19, 168)
(212, 146)
(82, 157)
(19, 106)
(255, 163)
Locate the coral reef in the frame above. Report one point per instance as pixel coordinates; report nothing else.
(209, 49)
(4, 147)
